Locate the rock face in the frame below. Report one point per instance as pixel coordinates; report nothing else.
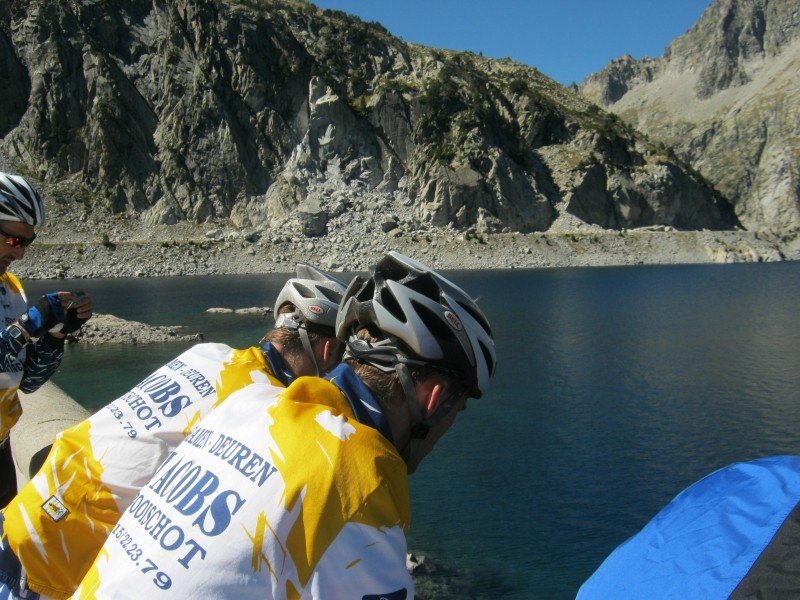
(279, 119)
(726, 97)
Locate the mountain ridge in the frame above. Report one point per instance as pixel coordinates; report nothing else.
(725, 96)
(275, 122)
(197, 110)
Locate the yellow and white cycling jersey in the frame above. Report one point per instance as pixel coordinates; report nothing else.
(276, 494)
(12, 304)
(59, 521)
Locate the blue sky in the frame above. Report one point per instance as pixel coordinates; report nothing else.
(565, 39)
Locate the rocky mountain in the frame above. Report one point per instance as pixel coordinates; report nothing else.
(281, 119)
(726, 97)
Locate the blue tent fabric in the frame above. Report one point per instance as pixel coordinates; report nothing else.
(733, 534)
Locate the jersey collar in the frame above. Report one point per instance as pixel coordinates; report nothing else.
(280, 369)
(365, 407)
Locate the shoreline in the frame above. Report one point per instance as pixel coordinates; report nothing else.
(239, 253)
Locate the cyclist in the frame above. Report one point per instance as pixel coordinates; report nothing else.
(60, 520)
(303, 492)
(31, 339)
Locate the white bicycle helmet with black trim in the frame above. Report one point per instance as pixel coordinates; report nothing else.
(315, 296)
(19, 201)
(424, 318)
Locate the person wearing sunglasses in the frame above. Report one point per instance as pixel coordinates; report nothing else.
(31, 339)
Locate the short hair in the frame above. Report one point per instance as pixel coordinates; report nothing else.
(385, 385)
(289, 339)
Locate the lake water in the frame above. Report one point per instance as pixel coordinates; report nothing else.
(616, 388)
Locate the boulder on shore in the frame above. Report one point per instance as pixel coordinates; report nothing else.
(108, 329)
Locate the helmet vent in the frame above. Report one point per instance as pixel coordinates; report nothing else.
(487, 356)
(477, 315)
(305, 292)
(441, 330)
(390, 303)
(425, 285)
(331, 295)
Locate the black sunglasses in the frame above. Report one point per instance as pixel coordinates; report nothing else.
(17, 241)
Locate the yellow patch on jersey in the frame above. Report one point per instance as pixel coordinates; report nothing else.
(245, 367)
(339, 471)
(92, 580)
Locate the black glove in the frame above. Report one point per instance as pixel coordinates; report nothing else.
(72, 322)
(46, 313)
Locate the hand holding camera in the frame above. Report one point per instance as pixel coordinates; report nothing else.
(59, 313)
(78, 311)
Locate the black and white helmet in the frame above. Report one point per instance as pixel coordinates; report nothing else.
(315, 295)
(425, 320)
(19, 201)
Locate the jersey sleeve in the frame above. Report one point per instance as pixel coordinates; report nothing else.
(41, 361)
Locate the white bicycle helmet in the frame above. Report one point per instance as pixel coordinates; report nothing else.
(314, 294)
(19, 201)
(425, 320)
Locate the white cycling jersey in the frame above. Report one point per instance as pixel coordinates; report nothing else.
(276, 494)
(58, 522)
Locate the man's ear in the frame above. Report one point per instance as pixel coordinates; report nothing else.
(331, 351)
(433, 396)
(328, 350)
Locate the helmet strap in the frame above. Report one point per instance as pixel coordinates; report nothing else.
(294, 322)
(419, 429)
(307, 346)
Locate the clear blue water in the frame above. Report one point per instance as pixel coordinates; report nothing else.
(617, 387)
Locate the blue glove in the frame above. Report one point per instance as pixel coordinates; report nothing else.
(43, 315)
